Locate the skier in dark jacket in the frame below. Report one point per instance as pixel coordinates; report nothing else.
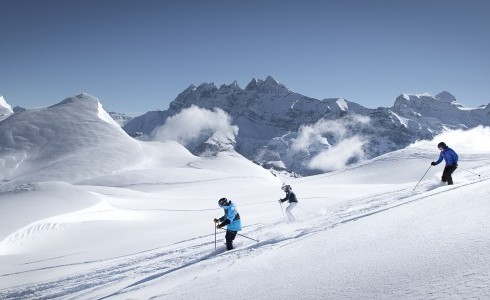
(291, 198)
(451, 159)
(231, 220)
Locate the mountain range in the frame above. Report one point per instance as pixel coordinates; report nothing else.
(286, 131)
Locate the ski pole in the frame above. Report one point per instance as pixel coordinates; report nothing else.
(280, 204)
(248, 237)
(214, 235)
(245, 236)
(470, 171)
(422, 177)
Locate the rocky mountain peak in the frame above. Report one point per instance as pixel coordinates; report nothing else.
(445, 97)
(269, 85)
(229, 88)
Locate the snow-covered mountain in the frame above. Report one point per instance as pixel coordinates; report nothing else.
(5, 109)
(281, 129)
(425, 115)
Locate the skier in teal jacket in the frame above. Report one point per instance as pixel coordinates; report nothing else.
(451, 159)
(231, 220)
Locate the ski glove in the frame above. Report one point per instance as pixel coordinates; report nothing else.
(280, 201)
(433, 163)
(219, 226)
(216, 220)
(225, 222)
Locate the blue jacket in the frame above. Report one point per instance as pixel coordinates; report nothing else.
(231, 217)
(449, 156)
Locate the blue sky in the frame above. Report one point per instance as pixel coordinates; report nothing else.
(137, 56)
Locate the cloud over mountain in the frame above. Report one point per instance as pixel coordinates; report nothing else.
(334, 144)
(194, 124)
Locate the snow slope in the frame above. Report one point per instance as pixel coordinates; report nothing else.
(109, 217)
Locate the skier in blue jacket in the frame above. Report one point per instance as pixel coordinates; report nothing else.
(231, 220)
(451, 159)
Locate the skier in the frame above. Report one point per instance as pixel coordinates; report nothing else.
(291, 197)
(451, 159)
(231, 220)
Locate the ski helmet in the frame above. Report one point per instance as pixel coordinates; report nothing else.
(442, 145)
(223, 202)
(286, 187)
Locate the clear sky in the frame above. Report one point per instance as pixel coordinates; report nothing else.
(137, 56)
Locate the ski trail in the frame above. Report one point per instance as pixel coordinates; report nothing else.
(383, 202)
(112, 274)
(101, 274)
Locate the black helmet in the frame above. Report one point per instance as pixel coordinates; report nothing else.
(223, 202)
(442, 145)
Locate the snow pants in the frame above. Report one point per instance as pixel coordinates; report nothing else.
(446, 174)
(229, 237)
(290, 207)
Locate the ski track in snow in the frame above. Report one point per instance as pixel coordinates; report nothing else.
(101, 279)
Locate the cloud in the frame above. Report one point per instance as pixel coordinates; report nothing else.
(339, 155)
(312, 134)
(475, 140)
(194, 123)
(334, 142)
